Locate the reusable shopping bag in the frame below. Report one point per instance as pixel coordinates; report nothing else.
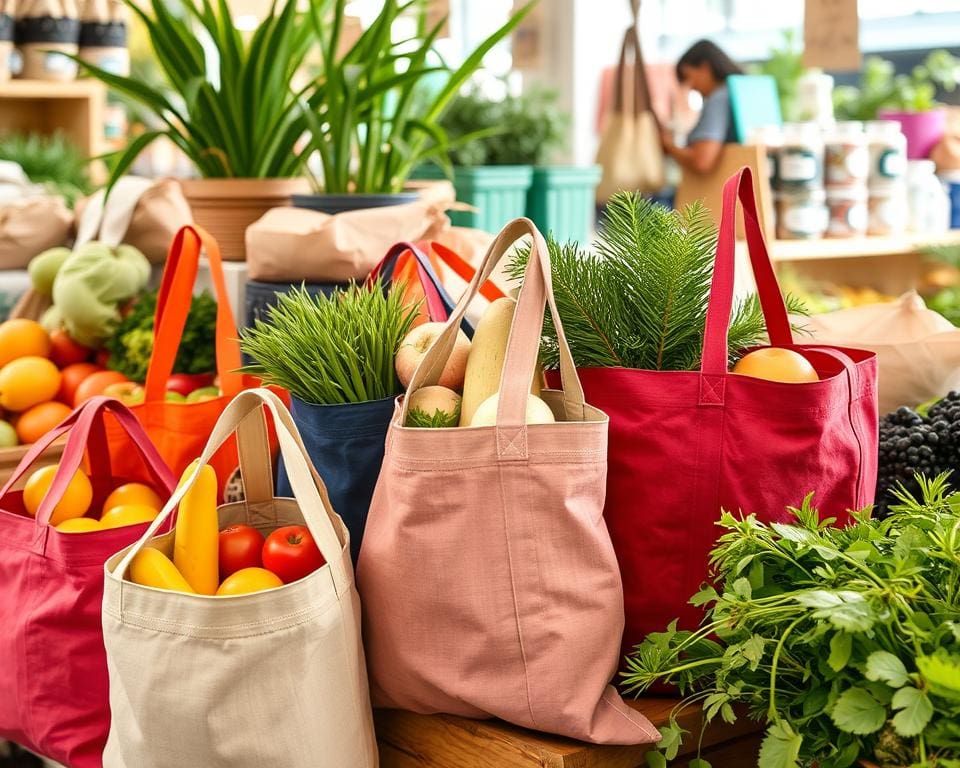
(53, 672)
(273, 678)
(31, 226)
(686, 444)
(918, 350)
(490, 586)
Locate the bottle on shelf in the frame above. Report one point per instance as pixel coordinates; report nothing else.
(44, 32)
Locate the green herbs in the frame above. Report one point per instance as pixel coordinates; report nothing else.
(331, 349)
(641, 300)
(131, 344)
(845, 642)
(50, 160)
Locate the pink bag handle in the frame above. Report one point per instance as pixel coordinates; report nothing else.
(85, 426)
(715, 355)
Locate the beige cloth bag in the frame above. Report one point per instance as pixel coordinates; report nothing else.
(294, 244)
(918, 350)
(31, 226)
(630, 152)
(273, 678)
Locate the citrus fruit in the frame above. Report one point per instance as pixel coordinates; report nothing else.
(22, 338)
(35, 422)
(78, 525)
(248, 580)
(71, 377)
(65, 351)
(75, 500)
(776, 364)
(28, 381)
(94, 385)
(133, 493)
(127, 514)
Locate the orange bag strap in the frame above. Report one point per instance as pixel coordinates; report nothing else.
(463, 269)
(173, 306)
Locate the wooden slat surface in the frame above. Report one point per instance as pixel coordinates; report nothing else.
(444, 741)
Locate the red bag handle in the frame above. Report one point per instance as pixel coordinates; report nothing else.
(465, 271)
(715, 357)
(173, 306)
(85, 426)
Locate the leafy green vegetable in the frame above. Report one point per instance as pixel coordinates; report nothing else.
(845, 642)
(51, 160)
(417, 417)
(131, 344)
(641, 300)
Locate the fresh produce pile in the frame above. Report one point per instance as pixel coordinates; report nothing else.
(845, 642)
(924, 441)
(235, 561)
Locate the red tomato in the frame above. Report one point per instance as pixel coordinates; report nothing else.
(291, 553)
(185, 383)
(65, 351)
(240, 547)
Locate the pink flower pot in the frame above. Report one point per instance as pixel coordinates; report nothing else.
(922, 129)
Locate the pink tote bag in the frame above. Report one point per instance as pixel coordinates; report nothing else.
(488, 580)
(53, 670)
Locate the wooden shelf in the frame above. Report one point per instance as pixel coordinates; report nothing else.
(51, 89)
(856, 247)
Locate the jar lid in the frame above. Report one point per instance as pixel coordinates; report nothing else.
(921, 167)
(801, 196)
(882, 126)
(848, 193)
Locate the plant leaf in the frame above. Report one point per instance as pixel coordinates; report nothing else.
(883, 666)
(915, 711)
(857, 711)
(841, 645)
(780, 747)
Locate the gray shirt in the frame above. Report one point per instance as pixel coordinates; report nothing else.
(716, 120)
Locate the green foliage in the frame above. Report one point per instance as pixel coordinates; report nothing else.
(50, 160)
(785, 65)
(331, 349)
(417, 417)
(518, 130)
(640, 301)
(845, 642)
(131, 344)
(947, 300)
(881, 88)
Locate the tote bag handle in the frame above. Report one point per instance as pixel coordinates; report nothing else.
(173, 306)
(439, 303)
(715, 354)
(640, 99)
(523, 345)
(465, 271)
(85, 426)
(309, 490)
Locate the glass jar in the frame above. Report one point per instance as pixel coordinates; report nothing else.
(888, 153)
(800, 159)
(848, 212)
(802, 215)
(846, 158)
(771, 138)
(887, 211)
(928, 201)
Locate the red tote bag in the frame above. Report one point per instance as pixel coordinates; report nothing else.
(683, 445)
(53, 671)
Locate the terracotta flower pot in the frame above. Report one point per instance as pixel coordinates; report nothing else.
(226, 207)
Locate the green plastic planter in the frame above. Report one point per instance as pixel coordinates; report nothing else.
(561, 201)
(497, 192)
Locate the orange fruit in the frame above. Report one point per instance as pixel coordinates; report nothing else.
(35, 422)
(75, 500)
(776, 364)
(94, 385)
(248, 580)
(28, 381)
(65, 351)
(127, 514)
(22, 338)
(71, 378)
(79, 525)
(133, 493)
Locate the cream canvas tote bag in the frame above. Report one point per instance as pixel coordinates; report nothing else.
(272, 679)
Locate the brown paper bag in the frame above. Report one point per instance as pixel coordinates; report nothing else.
(630, 152)
(294, 244)
(918, 349)
(30, 226)
(45, 30)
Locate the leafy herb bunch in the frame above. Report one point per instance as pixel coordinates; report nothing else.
(640, 301)
(846, 642)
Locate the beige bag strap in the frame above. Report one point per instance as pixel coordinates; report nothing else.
(308, 488)
(107, 221)
(523, 345)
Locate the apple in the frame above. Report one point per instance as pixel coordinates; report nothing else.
(174, 397)
(127, 392)
(414, 347)
(185, 383)
(8, 435)
(203, 394)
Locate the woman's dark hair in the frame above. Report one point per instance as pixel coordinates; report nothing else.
(702, 51)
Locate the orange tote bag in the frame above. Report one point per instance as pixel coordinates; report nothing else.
(180, 430)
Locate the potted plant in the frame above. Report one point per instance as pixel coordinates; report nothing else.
(227, 105)
(908, 99)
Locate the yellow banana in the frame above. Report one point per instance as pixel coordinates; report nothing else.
(196, 541)
(152, 568)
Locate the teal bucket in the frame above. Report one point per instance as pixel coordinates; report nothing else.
(498, 193)
(562, 201)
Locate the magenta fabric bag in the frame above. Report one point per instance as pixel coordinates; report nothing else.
(53, 670)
